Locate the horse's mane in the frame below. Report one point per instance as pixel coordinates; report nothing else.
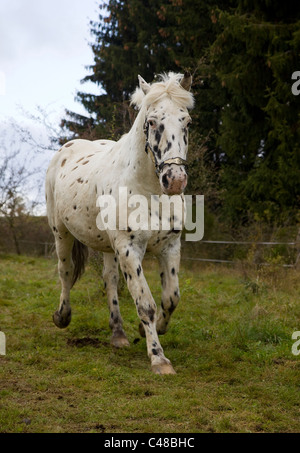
(168, 86)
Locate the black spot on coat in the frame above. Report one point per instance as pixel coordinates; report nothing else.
(157, 136)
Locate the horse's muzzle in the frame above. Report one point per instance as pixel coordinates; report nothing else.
(173, 180)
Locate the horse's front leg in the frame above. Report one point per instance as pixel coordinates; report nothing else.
(111, 278)
(130, 258)
(169, 267)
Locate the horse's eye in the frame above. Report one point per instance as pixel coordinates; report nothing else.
(152, 123)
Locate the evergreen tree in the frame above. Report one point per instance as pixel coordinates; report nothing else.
(254, 56)
(127, 43)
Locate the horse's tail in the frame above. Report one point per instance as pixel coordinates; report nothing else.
(80, 254)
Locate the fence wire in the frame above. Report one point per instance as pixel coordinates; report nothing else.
(49, 247)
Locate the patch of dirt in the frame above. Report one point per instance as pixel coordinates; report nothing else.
(87, 341)
(100, 428)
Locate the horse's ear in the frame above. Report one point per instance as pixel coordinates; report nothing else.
(144, 85)
(186, 81)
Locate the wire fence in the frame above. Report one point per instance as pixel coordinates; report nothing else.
(48, 248)
(292, 244)
(40, 248)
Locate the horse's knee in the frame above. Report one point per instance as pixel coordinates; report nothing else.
(168, 305)
(170, 302)
(147, 314)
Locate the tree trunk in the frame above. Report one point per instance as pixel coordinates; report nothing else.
(14, 234)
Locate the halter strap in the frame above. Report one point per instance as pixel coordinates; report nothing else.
(159, 167)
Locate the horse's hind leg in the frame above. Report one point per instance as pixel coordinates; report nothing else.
(64, 243)
(111, 278)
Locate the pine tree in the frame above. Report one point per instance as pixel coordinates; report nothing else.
(254, 56)
(126, 43)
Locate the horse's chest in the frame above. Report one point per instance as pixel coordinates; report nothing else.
(161, 239)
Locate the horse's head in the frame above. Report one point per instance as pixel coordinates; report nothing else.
(166, 128)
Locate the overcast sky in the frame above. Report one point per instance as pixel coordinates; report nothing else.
(44, 48)
(43, 52)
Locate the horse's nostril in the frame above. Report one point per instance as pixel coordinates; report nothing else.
(165, 181)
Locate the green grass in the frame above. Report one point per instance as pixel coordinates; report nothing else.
(229, 341)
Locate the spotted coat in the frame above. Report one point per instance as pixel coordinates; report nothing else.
(83, 170)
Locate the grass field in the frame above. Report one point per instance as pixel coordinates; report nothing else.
(230, 341)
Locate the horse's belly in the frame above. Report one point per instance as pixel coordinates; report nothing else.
(86, 231)
(97, 240)
(77, 210)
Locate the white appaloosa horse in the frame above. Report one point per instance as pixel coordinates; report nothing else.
(83, 170)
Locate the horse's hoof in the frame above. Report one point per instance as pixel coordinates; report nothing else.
(62, 321)
(119, 340)
(142, 330)
(163, 368)
(161, 331)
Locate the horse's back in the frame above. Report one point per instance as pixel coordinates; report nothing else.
(75, 153)
(80, 146)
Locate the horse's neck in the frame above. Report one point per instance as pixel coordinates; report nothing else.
(141, 166)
